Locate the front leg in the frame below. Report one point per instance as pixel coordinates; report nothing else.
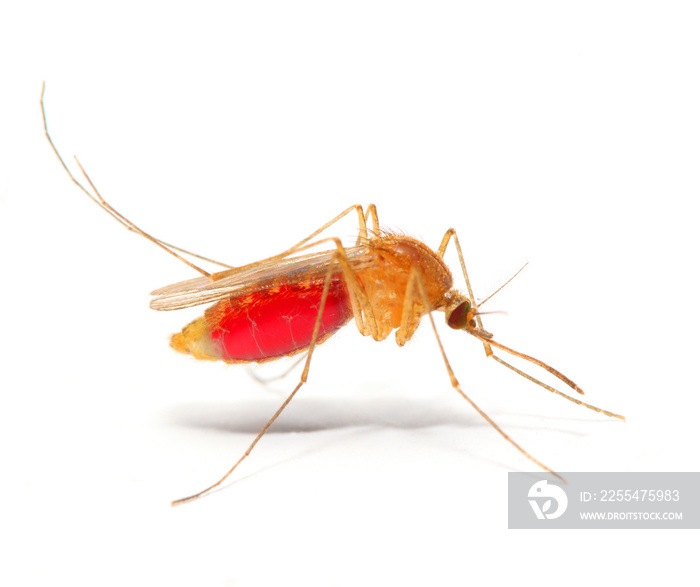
(413, 309)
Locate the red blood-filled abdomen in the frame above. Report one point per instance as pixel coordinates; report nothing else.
(265, 324)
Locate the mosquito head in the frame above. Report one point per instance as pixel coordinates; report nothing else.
(461, 314)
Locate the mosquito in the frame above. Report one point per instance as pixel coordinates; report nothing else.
(290, 303)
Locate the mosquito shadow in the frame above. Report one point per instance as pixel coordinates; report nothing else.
(318, 414)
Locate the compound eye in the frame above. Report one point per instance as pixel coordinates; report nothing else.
(459, 317)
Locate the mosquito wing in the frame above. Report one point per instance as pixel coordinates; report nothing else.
(203, 290)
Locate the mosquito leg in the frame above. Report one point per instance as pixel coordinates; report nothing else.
(372, 213)
(410, 313)
(361, 308)
(364, 235)
(100, 201)
(452, 234)
(250, 448)
(415, 291)
(266, 380)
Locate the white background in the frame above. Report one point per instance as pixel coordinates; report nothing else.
(563, 136)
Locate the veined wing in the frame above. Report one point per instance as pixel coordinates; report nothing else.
(202, 290)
